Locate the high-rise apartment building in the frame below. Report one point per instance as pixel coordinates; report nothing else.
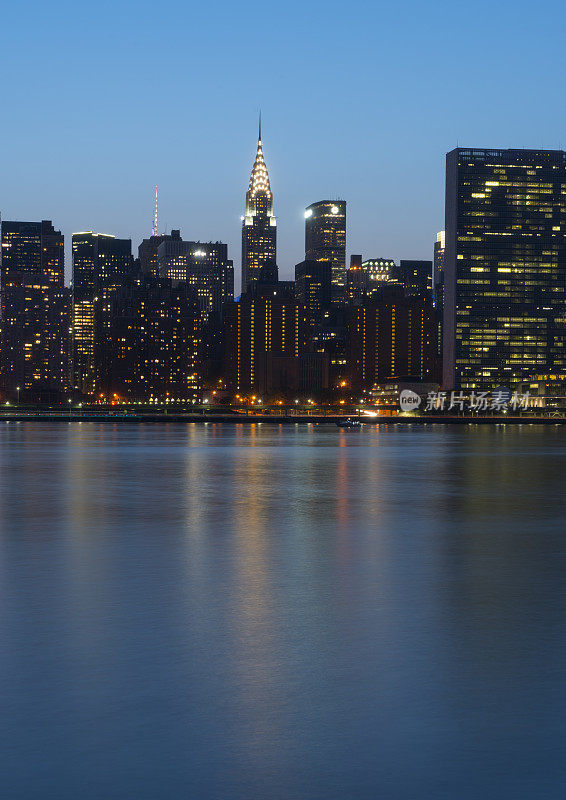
(35, 309)
(325, 240)
(391, 336)
(151, 345)
(100, 264)
(505, 266)
(266, 332)
(259, 226)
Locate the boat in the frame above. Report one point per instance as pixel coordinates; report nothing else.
(349, 423)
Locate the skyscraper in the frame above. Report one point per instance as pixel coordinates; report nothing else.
(100, 264)
(35, 309)
(147, 252)
(204, 266)
(210, 273)
(259, 226)
(357, 280)
(438, 286)
(325, 240)
(438, 264)
(313, 287)
(505, 266)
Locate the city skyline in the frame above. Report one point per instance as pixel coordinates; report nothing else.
(498, 283)
(286, 270)
(159, 222)
(140, 108)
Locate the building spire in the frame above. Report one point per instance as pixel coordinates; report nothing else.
(259, 179)
(259, 226)
(154, 225)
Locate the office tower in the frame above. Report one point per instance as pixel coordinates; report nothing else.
(505, 266)
(171, 257)
(416, 277)
(35, 310)
(392, 336)
(313, 282)
(211, 275)
(147, 252)
(100, 264)
(357, 280)
(205, 266)
(151, 344)
(438, 285)
(378, 270)
(259, 226)
(266, 332)
(325, 240)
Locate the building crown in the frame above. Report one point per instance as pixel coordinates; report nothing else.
(259, 179)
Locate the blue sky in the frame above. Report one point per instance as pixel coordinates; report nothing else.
(360, 100)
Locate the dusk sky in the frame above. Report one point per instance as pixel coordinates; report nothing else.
(102, 101)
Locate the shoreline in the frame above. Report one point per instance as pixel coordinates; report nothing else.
(313, 419)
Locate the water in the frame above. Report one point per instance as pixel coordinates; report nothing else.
(293, 613)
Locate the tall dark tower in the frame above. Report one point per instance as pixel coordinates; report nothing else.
(35, 307)
(325, 240)
(259, 231)
(100, 264)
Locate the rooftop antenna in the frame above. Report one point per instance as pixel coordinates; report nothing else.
(154, 225)
(260, 125)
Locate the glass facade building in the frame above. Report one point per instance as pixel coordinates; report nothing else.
(505, 266)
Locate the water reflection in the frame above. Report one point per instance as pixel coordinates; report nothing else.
(282, 611)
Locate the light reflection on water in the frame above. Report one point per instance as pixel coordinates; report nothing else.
(282, 611)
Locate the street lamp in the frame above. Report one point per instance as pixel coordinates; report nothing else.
(18, 391)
